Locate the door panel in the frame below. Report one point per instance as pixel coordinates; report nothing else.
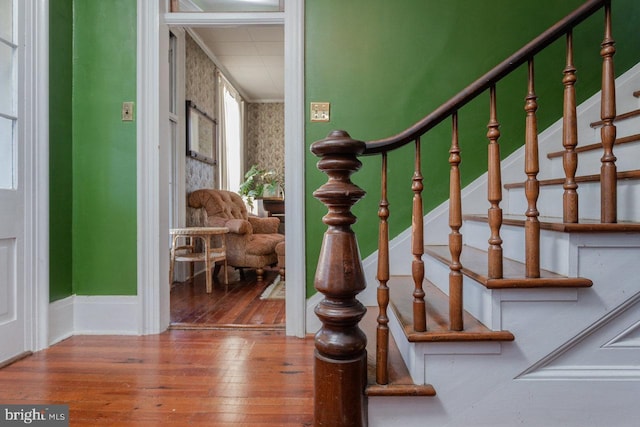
(12, 193)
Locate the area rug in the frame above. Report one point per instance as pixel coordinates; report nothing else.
(276, 290)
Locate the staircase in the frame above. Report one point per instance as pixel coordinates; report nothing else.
(521, 311)
(562, 349)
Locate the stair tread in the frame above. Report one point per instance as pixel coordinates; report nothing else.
(475, 265)
(623, 116)
(632, 174)
(437, 308)
(597, 145)
(556, 224)
(400, 381)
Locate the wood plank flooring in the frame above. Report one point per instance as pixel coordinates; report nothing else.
(236, 306)
(177, 378)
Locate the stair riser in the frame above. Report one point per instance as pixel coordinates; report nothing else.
(550, 200)
(478, 300)
(589, 161)
(554, 246)
(485, 304)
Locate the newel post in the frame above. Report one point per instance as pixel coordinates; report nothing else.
(340, 370)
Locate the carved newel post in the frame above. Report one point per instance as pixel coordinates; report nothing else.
(340, 372)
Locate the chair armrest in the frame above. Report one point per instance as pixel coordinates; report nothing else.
(261, 225)
(237, 226)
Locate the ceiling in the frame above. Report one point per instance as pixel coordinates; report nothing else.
(252, 56)
(237, 5)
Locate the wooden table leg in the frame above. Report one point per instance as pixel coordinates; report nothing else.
(207, 263)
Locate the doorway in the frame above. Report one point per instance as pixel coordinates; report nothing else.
(218, 71)
(153, 291)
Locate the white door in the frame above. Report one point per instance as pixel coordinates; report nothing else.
(12, 193)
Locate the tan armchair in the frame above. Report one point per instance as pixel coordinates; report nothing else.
(251, 241)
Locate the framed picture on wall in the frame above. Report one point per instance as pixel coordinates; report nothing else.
(201, 135)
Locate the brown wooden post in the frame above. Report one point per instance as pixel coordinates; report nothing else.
(608, 173)
(570, 138)
(455, 238)
(340, 373)
(494, 190)
(382, 335)
(417, 246)
(531, 186)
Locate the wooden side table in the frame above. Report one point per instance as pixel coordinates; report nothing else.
(212, 252)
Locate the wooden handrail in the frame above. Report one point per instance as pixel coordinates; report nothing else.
(485, 82)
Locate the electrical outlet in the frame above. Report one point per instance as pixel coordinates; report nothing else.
(320, 111)
(127, 111)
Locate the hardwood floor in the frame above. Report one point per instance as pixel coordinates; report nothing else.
(238, 306)
(177, 378)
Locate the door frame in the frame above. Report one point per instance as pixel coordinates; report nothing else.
(153, 154)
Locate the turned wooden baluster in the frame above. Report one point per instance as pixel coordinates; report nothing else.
(494, 190)
(570, 138)
(531, 185)
(382, 343)
(608, 193)
(455, 238)
(417, 246)
(340, 372)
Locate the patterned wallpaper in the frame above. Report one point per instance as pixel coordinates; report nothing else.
(200, 81)
(265, 137)
(264, 127)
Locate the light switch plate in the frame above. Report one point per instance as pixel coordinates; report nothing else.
(320, 111)
(127, 111)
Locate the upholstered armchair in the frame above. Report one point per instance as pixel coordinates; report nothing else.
(251, 240)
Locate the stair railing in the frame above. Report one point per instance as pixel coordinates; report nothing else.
(340, 345)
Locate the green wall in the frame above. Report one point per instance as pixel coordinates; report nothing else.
(384, 65)
(93, 153)
(60, 172)
(104, 148)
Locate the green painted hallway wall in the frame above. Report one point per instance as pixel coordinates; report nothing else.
(384, 65)
(93, 152)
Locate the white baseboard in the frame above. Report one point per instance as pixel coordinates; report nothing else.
(93, 315)
(60, 320)
(313, 323)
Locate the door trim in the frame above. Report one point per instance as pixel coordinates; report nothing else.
(154, 149)
(35, 130)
